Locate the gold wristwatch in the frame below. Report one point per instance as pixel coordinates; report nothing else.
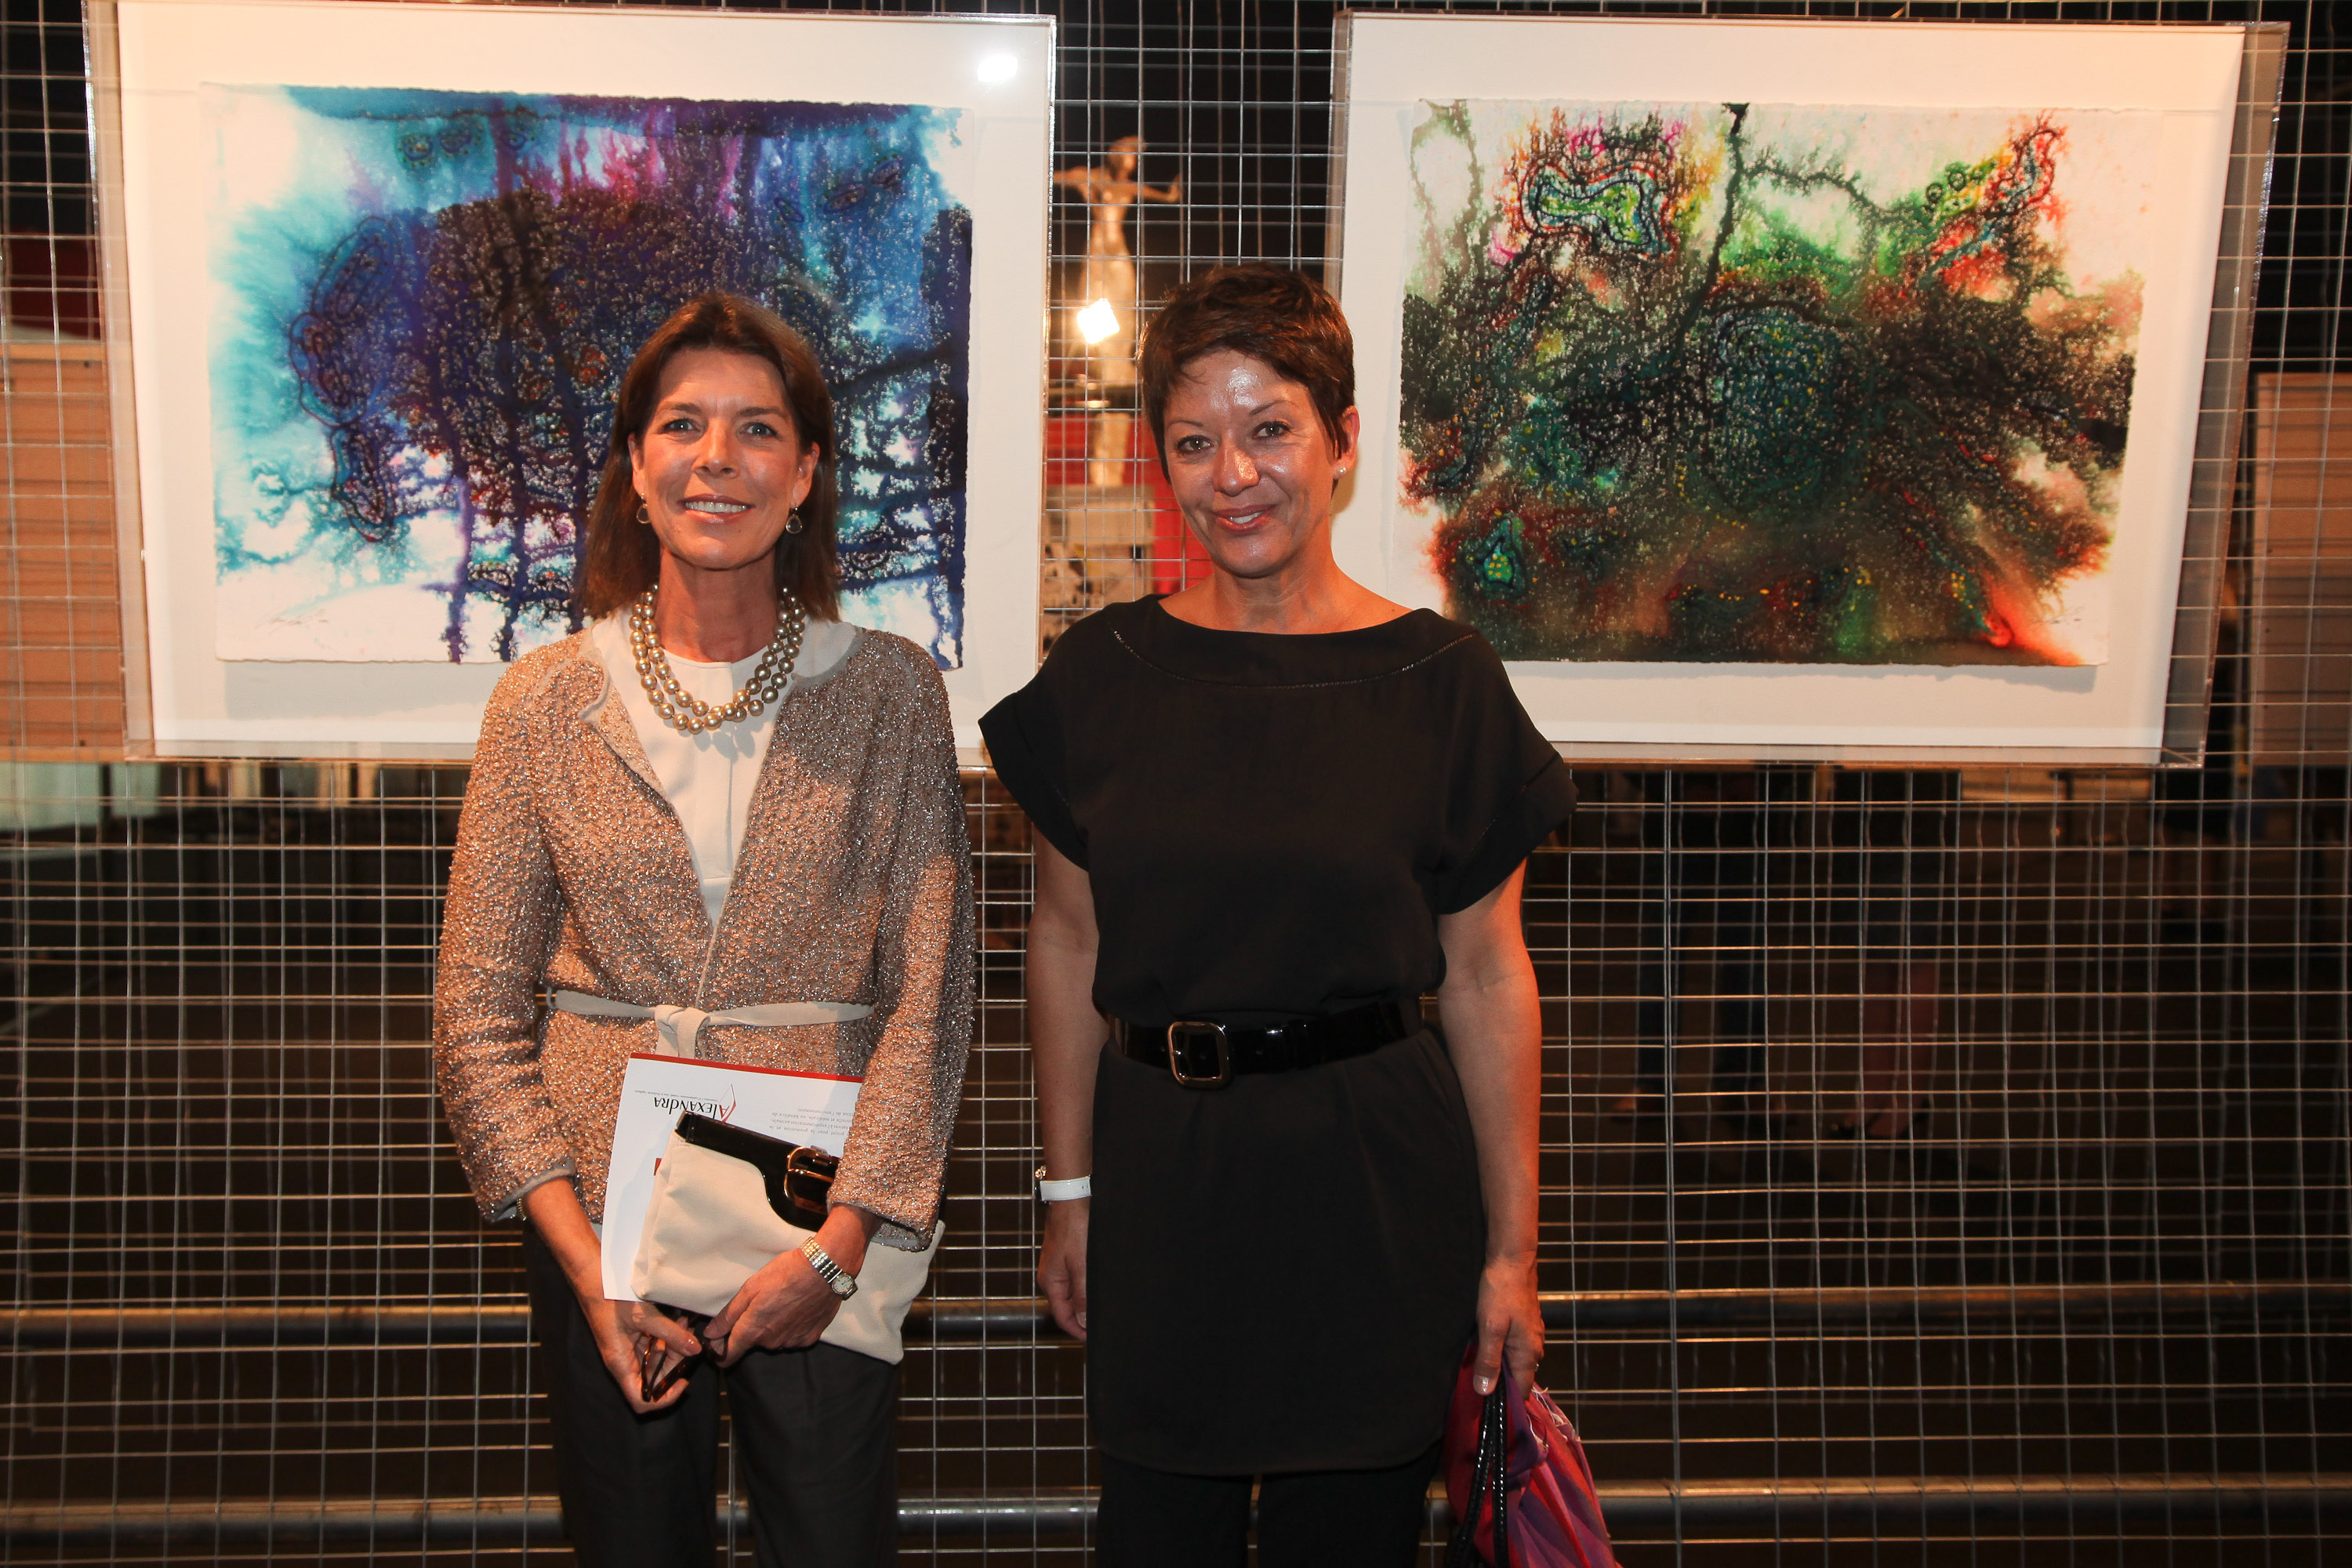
(843, 1283)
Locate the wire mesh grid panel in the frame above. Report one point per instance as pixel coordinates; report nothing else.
(1938, 1167)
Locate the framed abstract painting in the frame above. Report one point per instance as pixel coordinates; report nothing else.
(377, 269)
(1802, 389)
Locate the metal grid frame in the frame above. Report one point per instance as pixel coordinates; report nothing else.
(2096, 1307)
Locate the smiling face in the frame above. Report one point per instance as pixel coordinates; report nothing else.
(1250, 463)
(719, 465)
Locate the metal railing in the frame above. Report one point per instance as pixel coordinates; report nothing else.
(982, 1318)
(1780, 1505)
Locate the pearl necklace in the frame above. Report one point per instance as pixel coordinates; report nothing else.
(688, 714)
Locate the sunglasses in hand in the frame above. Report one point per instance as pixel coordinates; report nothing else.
(658, 1366)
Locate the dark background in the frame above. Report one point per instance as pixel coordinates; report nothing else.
(215, 1102)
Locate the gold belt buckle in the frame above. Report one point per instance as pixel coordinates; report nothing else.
(808, 1178)
(1185, 1037)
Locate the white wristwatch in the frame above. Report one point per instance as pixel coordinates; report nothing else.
(1063, 1192)
(843, 1283)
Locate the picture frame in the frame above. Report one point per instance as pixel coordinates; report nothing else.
(2204, 98)
(180, 86)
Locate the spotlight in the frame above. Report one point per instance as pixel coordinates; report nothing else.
(1098, 322)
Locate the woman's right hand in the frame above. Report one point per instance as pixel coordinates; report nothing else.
(1062, 1266)
(626, 1332)
(1065, 1037)
(623, 1329)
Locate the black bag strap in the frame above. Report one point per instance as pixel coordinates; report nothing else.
(1489, 1472)
(1499, 1427)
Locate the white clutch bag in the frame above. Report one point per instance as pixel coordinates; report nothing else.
(712, 1223)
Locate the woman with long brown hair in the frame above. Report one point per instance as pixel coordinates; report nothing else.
(719, 799)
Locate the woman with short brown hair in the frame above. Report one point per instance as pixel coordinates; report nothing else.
(718, 801)
(1272, 813)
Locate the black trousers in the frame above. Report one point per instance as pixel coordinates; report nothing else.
(815, 1430)
(1323, 1518)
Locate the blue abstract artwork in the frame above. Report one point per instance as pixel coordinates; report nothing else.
(424, 301)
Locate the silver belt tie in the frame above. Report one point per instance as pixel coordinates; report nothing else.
(678, 1030)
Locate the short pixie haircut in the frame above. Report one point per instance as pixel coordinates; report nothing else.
(1286, 320)
(620, 558)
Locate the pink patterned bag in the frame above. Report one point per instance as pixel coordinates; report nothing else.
(1523, 1450)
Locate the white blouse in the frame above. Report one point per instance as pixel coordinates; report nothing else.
(709, 777)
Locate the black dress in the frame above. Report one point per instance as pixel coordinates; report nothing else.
(1283, 1273)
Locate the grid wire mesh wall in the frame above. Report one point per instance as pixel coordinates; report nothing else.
(2091, 1303)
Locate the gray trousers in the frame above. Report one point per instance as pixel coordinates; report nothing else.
(816, 1431)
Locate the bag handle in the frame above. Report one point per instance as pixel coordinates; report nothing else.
(1498, 1423)
(799, 1177)
(1489, 1472)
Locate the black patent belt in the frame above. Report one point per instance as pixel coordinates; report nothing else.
(1204, 1055)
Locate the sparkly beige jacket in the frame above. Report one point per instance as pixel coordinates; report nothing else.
(572, 872)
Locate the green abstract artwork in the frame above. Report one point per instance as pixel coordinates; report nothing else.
(1760, 383)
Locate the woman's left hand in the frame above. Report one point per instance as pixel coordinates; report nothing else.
(1494, 1028)
(1510, 1323)
(786, 1305)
